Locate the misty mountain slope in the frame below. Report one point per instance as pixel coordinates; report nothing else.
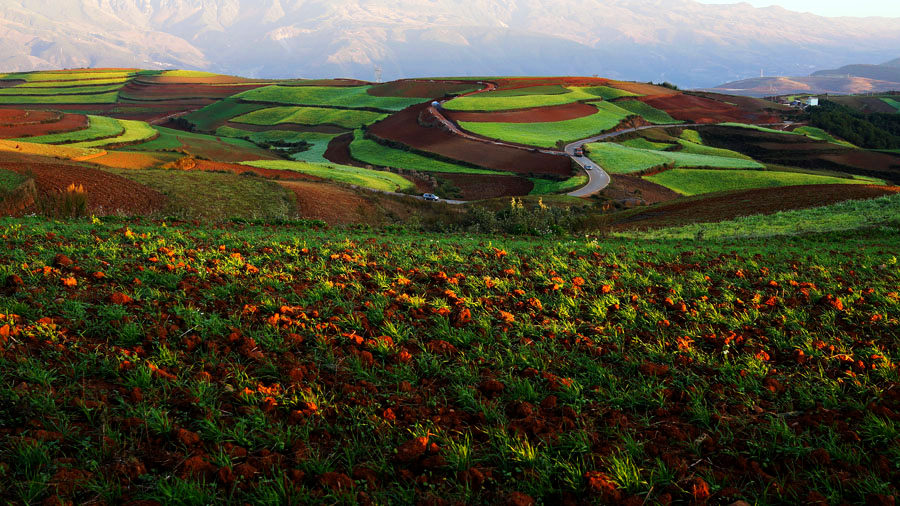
(678, 40)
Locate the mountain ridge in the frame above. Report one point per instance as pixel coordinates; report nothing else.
(629, 39)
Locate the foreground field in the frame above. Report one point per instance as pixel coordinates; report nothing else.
(142, 361)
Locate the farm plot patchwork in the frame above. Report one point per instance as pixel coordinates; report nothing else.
(646, 111)
(699, 181)
(213, 116)
(100, 127)
(488, 102)
(549, 134)
(422, 89)
(474, 369)
(367, 178)
(132, 132)
(278, 139)
(356, 97)
(223, 149)
(344, 118)
(371, 152)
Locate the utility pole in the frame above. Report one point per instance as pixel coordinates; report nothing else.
(379, 73)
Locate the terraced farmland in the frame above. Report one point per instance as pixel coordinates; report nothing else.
(132, 132)
(646, 111)
(371, 152)
(356, 97)
(100, 127)
(699, 181)
(893, 103)
(278, 139)
(618, 159)
(273, 116)
(504, 101)
(367, 178)
(549, 134)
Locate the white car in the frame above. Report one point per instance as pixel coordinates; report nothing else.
(431, 197)
(588, 167)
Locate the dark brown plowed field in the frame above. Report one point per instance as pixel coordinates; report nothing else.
(136, 90)
(338, 150)
(107, 193)
(527, 82)
(623, 187)
(750, 202)
(745, 103)
(422, 89)
(537, 115)
(332, 204)
(478, 186)
(803, 152)
(66, 123)
(11, 83)
(703, 110)
(404, 128)
(866, 105)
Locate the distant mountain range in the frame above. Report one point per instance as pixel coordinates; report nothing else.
(849, 79)
(682, 41)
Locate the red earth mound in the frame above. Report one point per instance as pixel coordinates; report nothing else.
(749, 202)
(139, 90)
(338, 150)
(479, 186)
(64, 123)
(414, 88)
(404, 128)
(17, 117)
(107, 193)
(704, 110)
(331, 204)
(537, 115)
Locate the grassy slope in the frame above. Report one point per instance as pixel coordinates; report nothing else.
(848, 215)
(103, 98)
(134, 131)
(893, 103)
(9, 180)
(690, 148)
(698, 181)
(215, 196)
(371, 152)
(310, 116)
(489, 102)
(100, 127)
(168, 140)
(617, 159)
(349, 97)
(547, 134)
(374, 179)
(206, 119)
(547, 187)
(648, 112)
(318, 141)
(822, 135)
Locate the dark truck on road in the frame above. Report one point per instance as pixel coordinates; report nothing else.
(579, 151)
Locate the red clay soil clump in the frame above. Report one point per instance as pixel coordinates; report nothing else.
(481, 186)
(338, 150)
(404, 128)
(704, 110)
(33, 124)
(107, 193)
(563, 112)
(749, 202)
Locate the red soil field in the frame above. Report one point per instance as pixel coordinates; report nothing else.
(421, 89)
(527, 82)
(338, 150)
(479, 186)
(332, 204)
(641, 88)
(703, 110)
(536, 115)
(749, 202)
(623, 187)
(136, 90)
(210, 166)
(404, 128)
(107, 193)
(67, 123)
(15, 117)
(745, 103)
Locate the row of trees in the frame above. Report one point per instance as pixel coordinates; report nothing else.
(871, 131)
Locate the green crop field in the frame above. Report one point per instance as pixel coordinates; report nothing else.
(607, 93)
(548, 134)
(101, 98)
(60, 92)
(756, 127)
(71, 84)
(318, 141)
(822, 135)
(699, 149)
(133, 132)
(648, 112)
(258, 364)
(842, 216)
(100, 127)
(692, 136)
(548, 187)
(374, 179)
(344, 118)
(172, 140)
(490, 102)
(354, 97)
(9, 180)
(642, 143)
(553, 89)
(371, 152)
(188, 73)
(210, 117)
(618, 159)
(68, 76)
(699, 181)
(892, 102)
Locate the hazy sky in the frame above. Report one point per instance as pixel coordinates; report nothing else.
(887, 8)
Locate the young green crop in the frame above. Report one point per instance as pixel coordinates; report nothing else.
(367, 178)
(371, 152)
(133, 132)
(100, 127)
(273, 116)
(648, 112)
(548, 187)
(549, 134)
(350, 97)
(698, 181)
(212, 116)
(618, 159)
(503, 101)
